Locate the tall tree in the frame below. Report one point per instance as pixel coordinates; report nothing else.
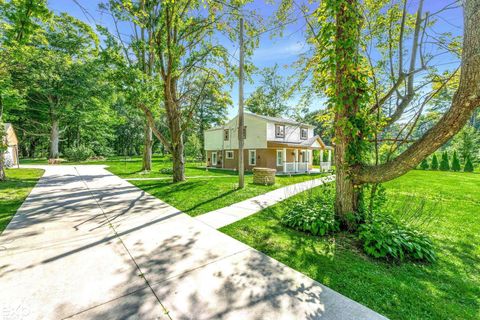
(184, 49)
(343, 23)
(19, 19)
(271, 96)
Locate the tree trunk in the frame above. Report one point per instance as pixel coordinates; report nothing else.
(346, 200)
(178, 161)
(147, 150)
(54, 139)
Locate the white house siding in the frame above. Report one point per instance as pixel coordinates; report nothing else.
(292, 132)
(213, 139)
(256, 135)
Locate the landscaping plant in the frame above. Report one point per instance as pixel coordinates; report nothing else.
(455, 162)
(424, 164)
(313, 213)
(468, 165)
(384, 237)
(434, 165)
(80, 153)
(444, 165)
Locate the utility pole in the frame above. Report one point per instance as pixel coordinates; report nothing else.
(241, 169)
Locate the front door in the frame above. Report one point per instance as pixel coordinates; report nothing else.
(214, 159)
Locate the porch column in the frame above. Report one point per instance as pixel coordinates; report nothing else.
(296, 160)
(284, 156)
(329, 155)
(321, 156)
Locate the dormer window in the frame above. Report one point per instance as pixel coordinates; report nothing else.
(279, 131)
(303, 133)
(226, 134)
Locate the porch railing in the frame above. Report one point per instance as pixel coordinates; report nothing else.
(325, 166)
(295, 167)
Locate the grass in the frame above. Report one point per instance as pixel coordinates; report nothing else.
(198, 196)
(206, 190)
(213, 189)
(14, 190)
(447, 289)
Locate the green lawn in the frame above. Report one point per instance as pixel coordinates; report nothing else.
(198, 196)
(447, 289)
(14, 190)
(206, 190)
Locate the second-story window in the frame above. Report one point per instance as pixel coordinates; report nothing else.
(226, 133)
(303, 133)
(279, 131)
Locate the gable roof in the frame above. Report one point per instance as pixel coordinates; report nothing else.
(296, 144)
(279, 120)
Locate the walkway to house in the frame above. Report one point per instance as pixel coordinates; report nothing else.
(237, 211)
(89, 245)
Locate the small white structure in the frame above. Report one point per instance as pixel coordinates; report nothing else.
(11, 155)
(270, 142)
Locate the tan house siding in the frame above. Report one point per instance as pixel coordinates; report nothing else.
(266, 158)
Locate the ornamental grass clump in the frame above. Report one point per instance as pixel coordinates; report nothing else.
(312, 213)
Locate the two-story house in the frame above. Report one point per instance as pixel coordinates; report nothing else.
(281, 144)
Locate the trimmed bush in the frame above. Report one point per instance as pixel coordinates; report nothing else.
(385, 238)
(312, 214)
(424, 164)
(166, 170)
(444, 165)
(455, 162)
(434, 165)
(80, 153)
(468, 165)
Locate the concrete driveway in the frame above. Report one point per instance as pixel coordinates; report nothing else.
(89, 245)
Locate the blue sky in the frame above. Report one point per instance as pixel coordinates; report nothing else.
(283, 51)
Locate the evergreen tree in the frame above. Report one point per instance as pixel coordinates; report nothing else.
(444, 165)
(455, 162)
(434, 165)
(468, 165)
(424, 164)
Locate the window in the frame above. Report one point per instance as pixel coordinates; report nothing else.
(229, 154)
(279, 158)
(226, 134)
(279, 131)
(214, 158)
(252, 157)
(303, 133)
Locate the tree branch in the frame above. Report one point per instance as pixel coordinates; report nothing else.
(465, 101)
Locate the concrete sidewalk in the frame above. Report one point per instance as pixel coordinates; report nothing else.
(89, 245)
(237, 211)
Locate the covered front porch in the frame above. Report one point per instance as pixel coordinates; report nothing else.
(294, 158)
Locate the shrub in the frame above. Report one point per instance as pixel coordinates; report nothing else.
(383, 237)
(468, 165)
(444, 165)
(424, 164)
(455, 162)
(166, 170)
(434, 165)
(313, 213)
(80, 153)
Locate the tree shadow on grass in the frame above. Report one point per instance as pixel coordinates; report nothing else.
(412, 290)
